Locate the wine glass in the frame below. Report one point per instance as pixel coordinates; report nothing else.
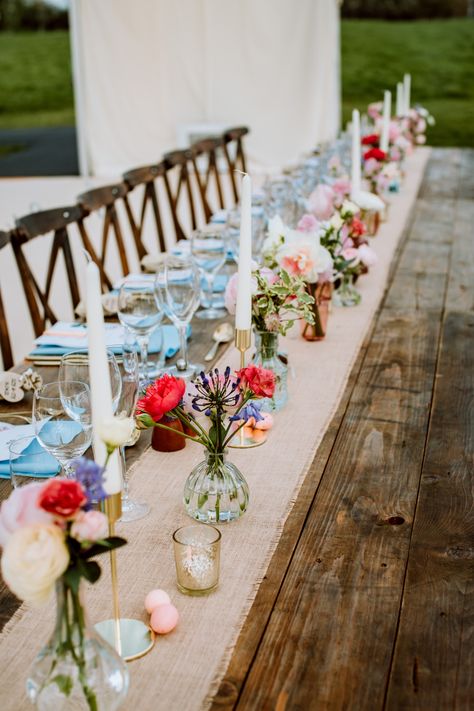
(139, 312)
(177, 290)
(131, 510)
(209, 249)
(75, 366)
(62, 418)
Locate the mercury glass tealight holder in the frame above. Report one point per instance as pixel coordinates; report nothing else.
(197, 557)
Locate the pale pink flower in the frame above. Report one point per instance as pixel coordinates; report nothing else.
(21, 509)
(367, 255)
(308, 223)
(351, 254)
(421, 126)
(321, 202)
(371, 166)
(342, 187)
(421, 139)
(393, 131)
(375, 109)
(89, 526)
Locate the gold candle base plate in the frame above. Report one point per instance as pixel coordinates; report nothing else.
(136, 638)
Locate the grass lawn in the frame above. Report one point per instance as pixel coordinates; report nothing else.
(36, 87)
(439, 54)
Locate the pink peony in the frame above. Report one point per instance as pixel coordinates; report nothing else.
(321, 202)
(89, 526)
(367, 255)
(22, 509)
(308, 223)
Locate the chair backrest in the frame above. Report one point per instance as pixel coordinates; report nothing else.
(35, 225)
(204, 158)
(105, 198)
(234, 154)
(180, 191)
(146, 176)
(5, 342)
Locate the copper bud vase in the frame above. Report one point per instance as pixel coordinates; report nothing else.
(165, 441)
(321, 294)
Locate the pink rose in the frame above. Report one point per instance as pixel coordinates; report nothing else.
(89, 526)
(22, 509)
(367, 255)
(308, 223)
(321, 202)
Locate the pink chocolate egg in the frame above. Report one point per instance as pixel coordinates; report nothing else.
(164, 618)
(155, 598)
(266, 423)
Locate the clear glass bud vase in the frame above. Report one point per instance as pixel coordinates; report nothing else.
(76, 669)
(266, 356)
(346, 294)
(216, 491)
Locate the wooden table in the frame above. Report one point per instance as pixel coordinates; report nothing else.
(373, 608)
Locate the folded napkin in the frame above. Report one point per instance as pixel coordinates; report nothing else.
(44, 466)
(71, 337)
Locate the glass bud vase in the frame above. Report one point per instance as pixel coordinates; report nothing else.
(346, 294)
(76, 669)
(266, 356)
(216, 491)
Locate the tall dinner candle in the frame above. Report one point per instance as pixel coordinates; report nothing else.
(400, 100)
(355, 175)
(387, 107)
(243, 309)
(406, 93)
(99, 378)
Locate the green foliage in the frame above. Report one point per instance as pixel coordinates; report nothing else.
(275, 307)
(438, 54)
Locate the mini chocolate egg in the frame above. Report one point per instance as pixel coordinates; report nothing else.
(164, 618)
(155, 598)
(266, 423)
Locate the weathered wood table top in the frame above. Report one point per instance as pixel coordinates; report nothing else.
(368, 601)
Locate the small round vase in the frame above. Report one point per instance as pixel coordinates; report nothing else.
(346, 294)
(165, 441)
(216, 491)
(266, 356)
(76, 670)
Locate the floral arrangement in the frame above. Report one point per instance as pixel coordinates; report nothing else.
(381, 172)
(419, 119)
(279, 296)
(225, 399)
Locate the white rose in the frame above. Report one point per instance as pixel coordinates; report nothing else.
(116, 431)
(336, 221)
(349, 208)
(33, 559)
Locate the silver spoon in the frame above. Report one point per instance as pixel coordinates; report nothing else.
(223, 334)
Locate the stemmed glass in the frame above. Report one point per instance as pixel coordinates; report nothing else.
(63, 420)
(139, 312)
(131, 510)
(75, 366)
(177, 290)
(209, 249)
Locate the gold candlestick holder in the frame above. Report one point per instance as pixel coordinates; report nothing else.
(131, 639)
(242, 438)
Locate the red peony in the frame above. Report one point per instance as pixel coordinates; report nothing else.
(62, 497)
(372, 140)
(259, 380)
(375, 153)
(162, 396)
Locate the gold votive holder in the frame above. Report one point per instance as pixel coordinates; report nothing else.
(197, 558)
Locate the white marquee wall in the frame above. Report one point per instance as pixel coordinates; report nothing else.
(144, 67)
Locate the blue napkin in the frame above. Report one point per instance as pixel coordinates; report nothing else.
(170, 335)
(45, 466)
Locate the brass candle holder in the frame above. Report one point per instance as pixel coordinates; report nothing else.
(131, 639)
(242, 439)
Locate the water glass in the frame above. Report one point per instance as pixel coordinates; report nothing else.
(178, 292)
(30, 462)
(140, 313)
(197, 558)
(209, 249)
(75, 366)
(62, 418)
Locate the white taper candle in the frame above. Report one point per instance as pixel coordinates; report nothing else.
(387, 107)
(406, 93)
(243, 310)
(400, 107)
(355, 174)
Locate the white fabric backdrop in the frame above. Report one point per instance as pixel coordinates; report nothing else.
(142, 68)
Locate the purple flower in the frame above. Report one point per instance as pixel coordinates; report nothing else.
(252, 409)
(91, 476)
(215, 391)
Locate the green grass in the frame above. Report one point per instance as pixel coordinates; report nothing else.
(36, 87)
(35, 79)
(438, 53)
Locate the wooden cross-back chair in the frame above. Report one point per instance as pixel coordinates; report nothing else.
(180, 191)
(105, 198)
(35, 225)
(204, 158)
(5, 342)
(146, 176)
(234, 154)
